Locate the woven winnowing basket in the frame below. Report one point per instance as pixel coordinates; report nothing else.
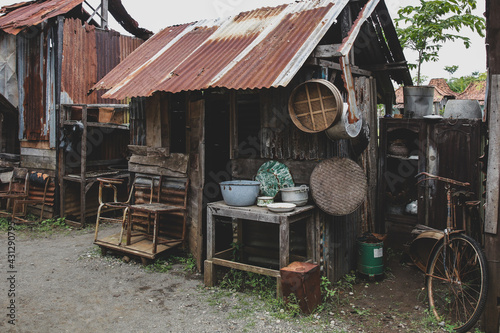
(338, 186)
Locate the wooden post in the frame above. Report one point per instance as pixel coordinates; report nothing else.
(83, 167)
(493, 173)
(492, 241)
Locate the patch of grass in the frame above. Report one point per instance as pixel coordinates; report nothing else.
(159, 266)
(256, 284)
(188, 261)
(362, 312)
(45, 227)
(50, 224)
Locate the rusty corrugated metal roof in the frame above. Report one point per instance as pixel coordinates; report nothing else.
(20, 17)
(262, 48)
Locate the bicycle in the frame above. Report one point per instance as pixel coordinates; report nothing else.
(456, 271)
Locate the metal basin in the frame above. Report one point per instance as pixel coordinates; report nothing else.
(240, 192)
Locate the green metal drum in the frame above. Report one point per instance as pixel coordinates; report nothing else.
(371, 257)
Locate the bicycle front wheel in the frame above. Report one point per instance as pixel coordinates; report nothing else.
(457, 282)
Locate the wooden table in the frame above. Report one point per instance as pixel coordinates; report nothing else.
(259, 214)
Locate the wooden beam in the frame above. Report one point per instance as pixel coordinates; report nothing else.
(327, 51)
(333, 65)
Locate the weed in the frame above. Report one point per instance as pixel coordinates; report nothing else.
(159, 266)
(47, 225)
(256, 284)
(292, 305)
(4, 224)
(188, 261)
(362, 312)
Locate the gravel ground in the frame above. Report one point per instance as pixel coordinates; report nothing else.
(60, 283)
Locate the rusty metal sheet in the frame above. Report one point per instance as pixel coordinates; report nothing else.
(79, 65)
(32, 79)
(18, 18)
(8, 77)
(262, 48)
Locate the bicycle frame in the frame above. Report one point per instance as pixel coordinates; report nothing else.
(439, 235)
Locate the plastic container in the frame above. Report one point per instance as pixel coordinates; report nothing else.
(371, 257)
(240, 192)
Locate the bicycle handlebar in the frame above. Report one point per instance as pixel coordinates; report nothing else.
(443, 179)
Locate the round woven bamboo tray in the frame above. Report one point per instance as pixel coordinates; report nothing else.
(314, 105)
(338, 186)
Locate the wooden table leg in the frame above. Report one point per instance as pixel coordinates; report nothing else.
(129, 229)
(209, 275)
(210, 234)
(155, 231)
(284, 250)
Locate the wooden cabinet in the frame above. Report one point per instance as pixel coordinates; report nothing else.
(448, 148)
(94, 144)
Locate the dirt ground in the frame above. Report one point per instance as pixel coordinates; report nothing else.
(62, 284)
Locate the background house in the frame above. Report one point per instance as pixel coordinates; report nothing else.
(52, 53)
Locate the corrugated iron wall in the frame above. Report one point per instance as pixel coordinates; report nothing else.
(79, 64)
(32, 54)
(88, 54)
(111, 49)
(8, 77)
(138, 121)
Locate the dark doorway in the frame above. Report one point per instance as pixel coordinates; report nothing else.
(217, 161)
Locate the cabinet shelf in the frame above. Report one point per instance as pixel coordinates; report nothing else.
(94, 124)
(406, 158)
(95, 146)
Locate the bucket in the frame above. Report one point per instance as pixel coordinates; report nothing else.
(342, 129)
(371, 257)
(315, 105)
(419, 101)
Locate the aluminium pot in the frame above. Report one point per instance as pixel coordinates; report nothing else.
(297, 195)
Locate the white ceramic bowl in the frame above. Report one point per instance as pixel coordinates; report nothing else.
(281, 207)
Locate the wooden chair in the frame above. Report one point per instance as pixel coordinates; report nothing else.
(37, 194)
(18, 189)
(168, 213)
(111, 184)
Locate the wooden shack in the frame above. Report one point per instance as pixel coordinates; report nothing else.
(54, 52)
(217, 92)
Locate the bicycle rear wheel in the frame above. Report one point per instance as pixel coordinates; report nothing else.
(457, 282)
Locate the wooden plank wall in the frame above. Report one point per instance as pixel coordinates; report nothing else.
(280, 138)
(301, 152)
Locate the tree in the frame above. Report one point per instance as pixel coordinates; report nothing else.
(459, 84)
(434, 22)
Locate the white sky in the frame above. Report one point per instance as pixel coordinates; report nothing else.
(157, 14)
